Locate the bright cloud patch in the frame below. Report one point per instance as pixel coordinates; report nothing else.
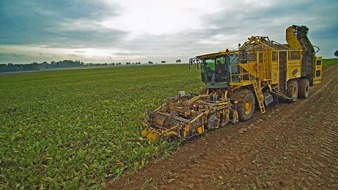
(160, 17)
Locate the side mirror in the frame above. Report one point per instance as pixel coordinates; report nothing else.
(203, 77)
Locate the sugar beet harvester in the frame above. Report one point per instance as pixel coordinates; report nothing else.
(258, 73)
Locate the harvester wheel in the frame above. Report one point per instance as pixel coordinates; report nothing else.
(234, 116)
(304, 86)
(292, 91)
(246, 104)
(171, 137)
(225, 119)
(213, 121)
(169, 122)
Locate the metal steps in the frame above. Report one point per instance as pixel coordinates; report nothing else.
(258, 91)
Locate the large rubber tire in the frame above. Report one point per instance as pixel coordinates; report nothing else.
(292, 91)
(246, 104)
(304, 88)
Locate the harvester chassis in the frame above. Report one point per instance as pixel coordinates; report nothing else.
(188, 115)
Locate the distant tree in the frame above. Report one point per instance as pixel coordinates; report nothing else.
(336, 53)
(35, 66)
(163, 61)
(150, 62)
(178, 61)
(3, 68)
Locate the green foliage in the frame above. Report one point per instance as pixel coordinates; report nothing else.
(73, 129)
(336, 53)
(328, 62)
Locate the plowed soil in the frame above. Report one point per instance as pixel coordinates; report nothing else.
(291, 146)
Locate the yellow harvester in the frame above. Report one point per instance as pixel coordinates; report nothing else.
(258, 73)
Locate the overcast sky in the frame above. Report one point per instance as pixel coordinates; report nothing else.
(153, 30)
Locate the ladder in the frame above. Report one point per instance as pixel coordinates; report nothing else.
(258, 92)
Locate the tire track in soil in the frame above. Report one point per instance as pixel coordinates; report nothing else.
(316, 158)
(297, 150)
(288, 147)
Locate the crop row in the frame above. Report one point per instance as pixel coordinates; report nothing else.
(74, 129)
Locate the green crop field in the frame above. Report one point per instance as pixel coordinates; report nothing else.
(76, 128)
(328, 62)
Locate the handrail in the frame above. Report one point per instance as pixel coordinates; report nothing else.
(238, 74)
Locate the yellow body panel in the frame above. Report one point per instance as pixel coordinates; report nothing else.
(318, 71)
(274, 74)
(292, 40)
(274, 67)
(265, 66)
(242, 83)
(293, 69)
(200, 130)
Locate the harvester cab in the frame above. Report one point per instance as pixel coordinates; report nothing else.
(216, 69)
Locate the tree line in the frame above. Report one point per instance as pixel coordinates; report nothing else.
(10, 67)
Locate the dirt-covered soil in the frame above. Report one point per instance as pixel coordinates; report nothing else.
(291, 146)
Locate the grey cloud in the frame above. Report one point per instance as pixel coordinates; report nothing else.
(319, 16)
(31, 22)
(55, 24)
